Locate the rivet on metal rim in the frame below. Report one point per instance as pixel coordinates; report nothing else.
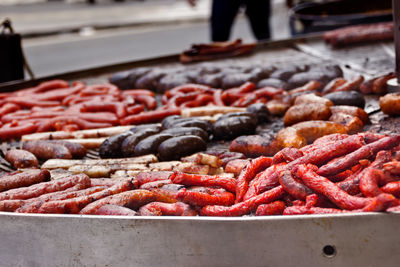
(329, 251)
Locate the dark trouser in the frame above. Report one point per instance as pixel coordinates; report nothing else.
(223, 14)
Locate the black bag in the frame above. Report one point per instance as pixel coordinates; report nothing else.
(12, 59)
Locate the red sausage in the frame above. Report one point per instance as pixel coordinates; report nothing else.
(21, 158)
(42, 188)
(44, 149)
(171, 209)
(26, 178)
(131, 199)
(115, 210)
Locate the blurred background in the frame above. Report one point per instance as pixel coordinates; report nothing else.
(64, 35)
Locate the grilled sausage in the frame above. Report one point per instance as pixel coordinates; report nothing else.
(111, 147)
(187, 131)
(205, 125)
(139, 128)
(44, 149)
(260, 110)
(353, 111)
(128, 145)
(306, 112)
(76, 150)
(177, 147)
(230, 126)
(390, 104)
(347, 98)
(21, 158)
(150, 144)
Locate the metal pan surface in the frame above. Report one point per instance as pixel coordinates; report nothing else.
(73, 240)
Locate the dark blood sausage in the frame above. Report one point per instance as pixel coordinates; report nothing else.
(168, 121)
(177, 147)
(21, 158)
(240, 114)
(153, 126)
(230, 127)
(111, 147)
(177, 121)
(44, 149)
(128, 145)
(26, 178)
(115, 210)
(205, 125)
(183, 131)
(260, 110)
(347, 98)
(76, 150)
(150, 144)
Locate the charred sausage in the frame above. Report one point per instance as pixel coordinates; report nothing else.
(150, 144)
(229, 127)
(177, 147)
(348, 98)
(111, 147)
(129, 143)
(187, 131)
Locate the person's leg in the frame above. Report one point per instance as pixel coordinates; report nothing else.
(223, 14)
(258, 12)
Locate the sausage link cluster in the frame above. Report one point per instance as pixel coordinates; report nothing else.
(174, 138)
(57, 105)
(336, 174)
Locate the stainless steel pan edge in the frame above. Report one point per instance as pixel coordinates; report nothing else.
(72, 240)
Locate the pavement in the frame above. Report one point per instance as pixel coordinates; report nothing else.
(46, 18)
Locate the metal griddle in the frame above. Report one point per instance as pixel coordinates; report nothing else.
(320, 240)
